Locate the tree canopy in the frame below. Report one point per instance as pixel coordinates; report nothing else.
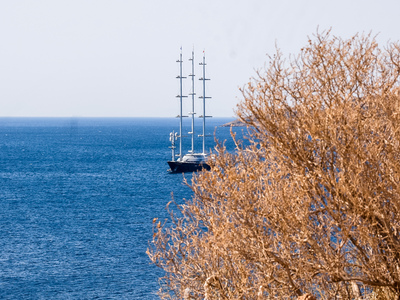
(311, 204)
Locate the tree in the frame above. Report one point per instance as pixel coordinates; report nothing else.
(312, 203)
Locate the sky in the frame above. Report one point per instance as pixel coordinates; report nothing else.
(117, 58)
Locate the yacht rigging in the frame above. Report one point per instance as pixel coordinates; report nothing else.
(191, 161)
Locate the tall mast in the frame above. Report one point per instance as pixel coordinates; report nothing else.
(204, 101)
(192, 94)
(180, 103)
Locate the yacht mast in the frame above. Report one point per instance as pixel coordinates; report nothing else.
(204, 101)
(180, 96)
(192, 94)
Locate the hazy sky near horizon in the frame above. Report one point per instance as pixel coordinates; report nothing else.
(103, 58)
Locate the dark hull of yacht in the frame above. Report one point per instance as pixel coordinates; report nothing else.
(183, 167)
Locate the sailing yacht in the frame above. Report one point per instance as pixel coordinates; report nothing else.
(190, 162)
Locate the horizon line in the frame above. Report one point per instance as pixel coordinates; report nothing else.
(104, 117)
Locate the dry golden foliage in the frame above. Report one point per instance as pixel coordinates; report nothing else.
(306, 297)
(312, 204)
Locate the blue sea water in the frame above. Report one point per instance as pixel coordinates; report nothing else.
(77, 200)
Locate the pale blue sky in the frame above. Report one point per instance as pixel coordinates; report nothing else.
(117, 58)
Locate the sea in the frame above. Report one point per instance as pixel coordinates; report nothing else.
(77, 200)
